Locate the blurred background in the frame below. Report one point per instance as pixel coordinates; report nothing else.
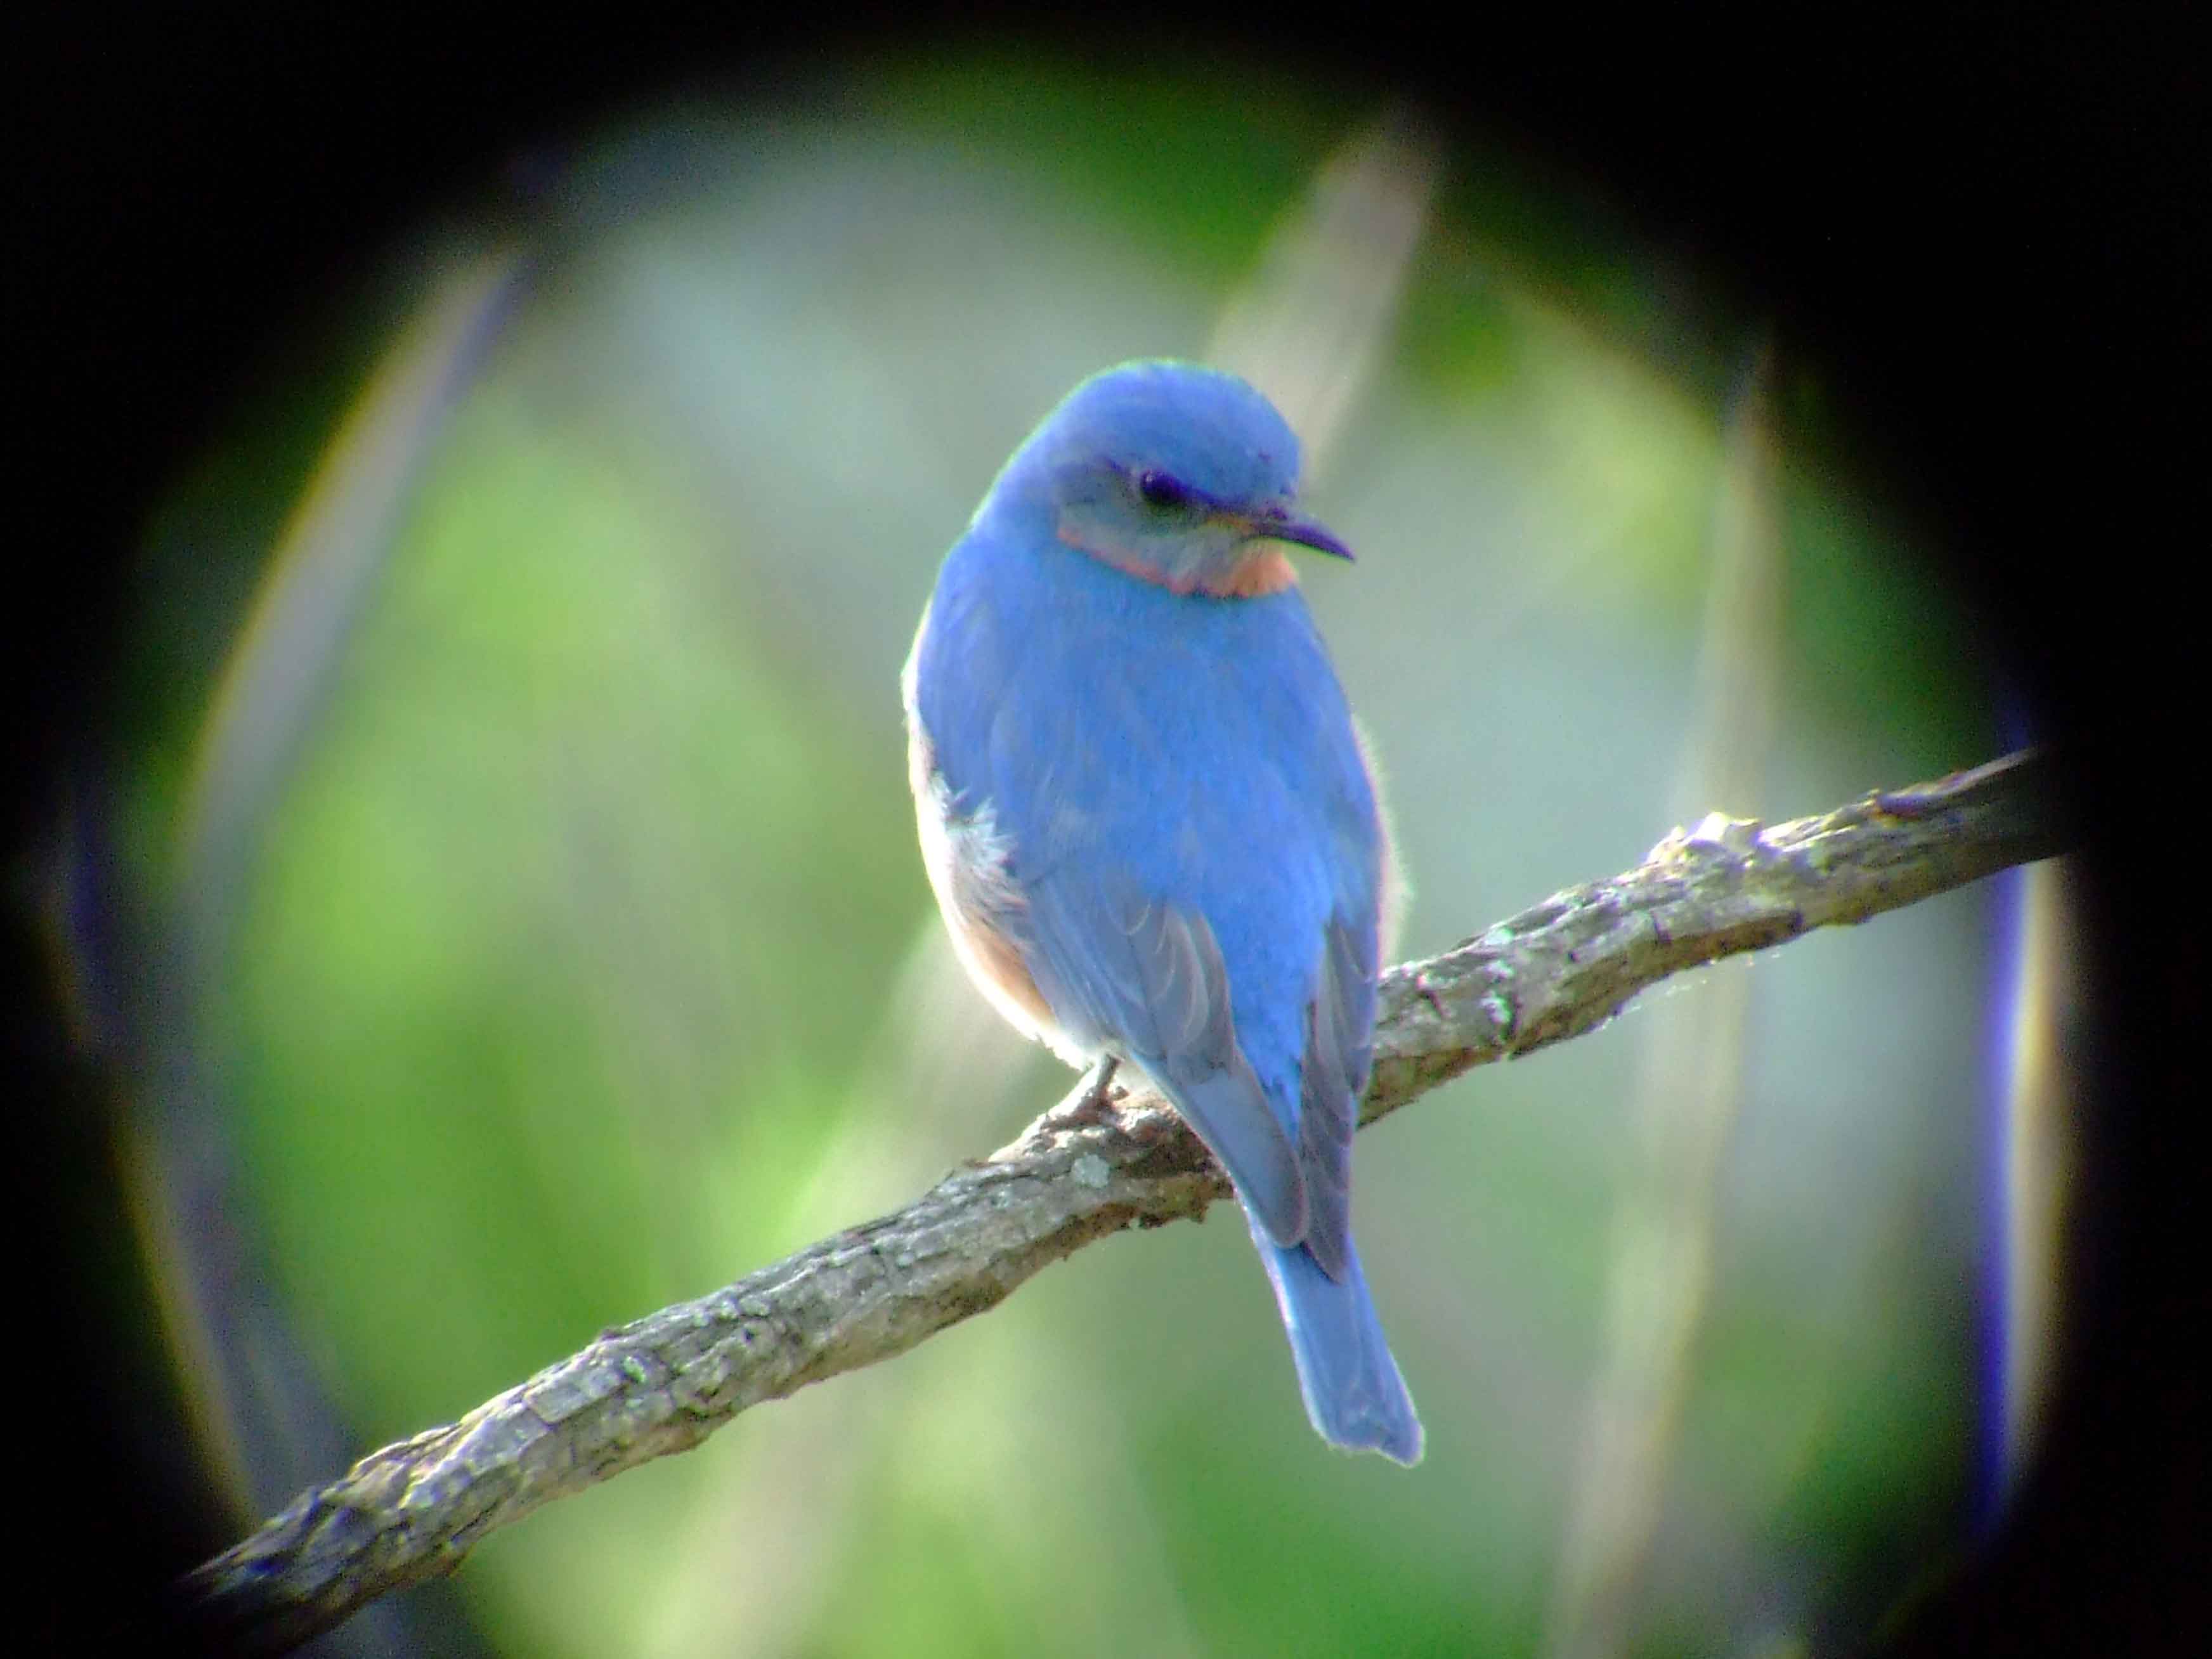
(497, 898)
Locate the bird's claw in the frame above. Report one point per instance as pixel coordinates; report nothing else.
(1088, 1109)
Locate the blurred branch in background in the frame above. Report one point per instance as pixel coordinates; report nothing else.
(1689, 1086)
(1307, 328)
(662, 1384)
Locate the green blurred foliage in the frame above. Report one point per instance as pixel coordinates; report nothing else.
(580, 966)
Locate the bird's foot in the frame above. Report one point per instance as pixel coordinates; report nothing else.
(1088, 1108)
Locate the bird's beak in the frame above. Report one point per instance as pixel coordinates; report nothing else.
(1274, 524)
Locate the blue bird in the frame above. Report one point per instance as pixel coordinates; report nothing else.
(1150, 824)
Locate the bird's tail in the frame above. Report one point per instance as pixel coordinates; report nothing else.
(1353, 1392)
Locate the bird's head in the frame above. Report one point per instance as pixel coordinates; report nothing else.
(1172, 473)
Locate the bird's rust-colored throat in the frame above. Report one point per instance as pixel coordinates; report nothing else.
(1264, 568)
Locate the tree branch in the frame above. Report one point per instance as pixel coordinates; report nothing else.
(663, 1384)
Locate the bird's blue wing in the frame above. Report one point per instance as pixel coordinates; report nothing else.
(1145, 977)
(1334, 1072)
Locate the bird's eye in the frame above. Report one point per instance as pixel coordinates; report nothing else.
(1159, 489)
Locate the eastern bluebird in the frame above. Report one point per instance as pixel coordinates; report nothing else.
(1150, 823)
